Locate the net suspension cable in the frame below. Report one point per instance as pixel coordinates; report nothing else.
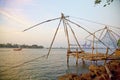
(93, 22)
(66, 32)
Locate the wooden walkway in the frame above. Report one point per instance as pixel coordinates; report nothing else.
(93, 56)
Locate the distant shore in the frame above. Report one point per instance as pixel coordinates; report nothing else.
(9, 45)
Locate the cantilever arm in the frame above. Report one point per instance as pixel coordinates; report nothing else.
(42, 23)
(95, 32)
(88, 32)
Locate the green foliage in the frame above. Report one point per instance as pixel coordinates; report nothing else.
(118, 43)
(97, 1)
(108, 2)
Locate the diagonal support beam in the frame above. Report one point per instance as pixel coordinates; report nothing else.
(88, 32)
(42, 23)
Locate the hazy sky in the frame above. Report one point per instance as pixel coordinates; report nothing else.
(17, 15)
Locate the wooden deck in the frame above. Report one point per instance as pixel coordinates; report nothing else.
(93, 56)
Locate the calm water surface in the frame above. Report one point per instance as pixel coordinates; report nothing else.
(40, 69)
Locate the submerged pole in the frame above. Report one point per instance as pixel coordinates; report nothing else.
(67, 58)
(106, 56)
(77, 56)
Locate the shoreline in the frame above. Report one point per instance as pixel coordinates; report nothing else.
(110, 71)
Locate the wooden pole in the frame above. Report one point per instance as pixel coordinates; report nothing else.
(83, 62)
(77, 56)
(106, 56)
(108, 71)
(75, 37)
(67, 59)
(93, 45)
(67, 36)
(102, 33)
(96, 51)
(54, 38)
(88, 32)
(112, 34)
(96, 32)
(42, 23)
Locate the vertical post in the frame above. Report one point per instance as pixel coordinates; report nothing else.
(77, 56)
(93, 46)
(67, 36)
(67, 58)
(106, 55)
(96, 52)
(83, 62)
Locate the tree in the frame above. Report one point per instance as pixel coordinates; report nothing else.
(108, 2)
(9, 45)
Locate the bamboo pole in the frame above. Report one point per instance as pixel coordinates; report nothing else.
(96, 51)
(106, 56)
(41, 23)
(93, 46)
(88, 32)
(95, 32)
(112, 34)
(75, 36)
(77, 56)
(67, 58)
(102, 33)
(108, 72)
(67, 36)
(54, 38)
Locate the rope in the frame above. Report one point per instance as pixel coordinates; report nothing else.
(94, 22)
(22, 64)
(110, 36)
(95, 32)
(88, 32)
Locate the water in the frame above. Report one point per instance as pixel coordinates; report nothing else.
(40, 69)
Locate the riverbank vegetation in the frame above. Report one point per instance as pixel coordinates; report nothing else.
(9, 45)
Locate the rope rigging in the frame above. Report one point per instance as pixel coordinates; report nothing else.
(42, 23)
(66, 25)
(75, 36)
(94, 22)
(88, 32)
(22, 64)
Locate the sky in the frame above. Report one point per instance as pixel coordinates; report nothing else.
(17, 15)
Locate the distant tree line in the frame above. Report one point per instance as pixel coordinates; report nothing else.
(9, 45)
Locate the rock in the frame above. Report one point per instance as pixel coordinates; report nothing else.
(86, 76)
(69, 77)
(96, 73)
(92, 68)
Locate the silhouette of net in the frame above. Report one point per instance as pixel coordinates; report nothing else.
(109, 40)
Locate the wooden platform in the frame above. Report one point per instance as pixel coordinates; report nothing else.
(93, 56)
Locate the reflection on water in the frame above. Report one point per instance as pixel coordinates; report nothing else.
(41, 69)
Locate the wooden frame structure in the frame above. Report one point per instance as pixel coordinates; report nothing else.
(79, 52)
